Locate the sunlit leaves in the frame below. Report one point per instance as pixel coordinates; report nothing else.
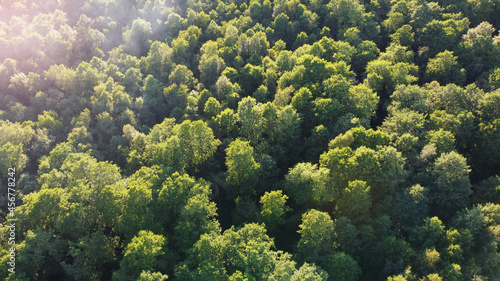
(273, 209)
(180, 146)
(140, 253)
(316, 233)
(242, 169)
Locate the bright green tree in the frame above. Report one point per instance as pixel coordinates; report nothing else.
(141, 253)
(355, 202)
(444, 68)
(316, 236)
(273, 209)
(242, 169)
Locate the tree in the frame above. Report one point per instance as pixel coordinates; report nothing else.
(479, 51)
(158, 62)
(185, 43)
(411, 206)
(211, 65)
(494, 79)
(141, 253)
(302, 102)
(384, 76)
(251, 77)
(242, 169)
(403, 36)
(280, 26)
(175, 97)
(237, 254)
(443, 140)
(342, 267)
(181, 146)
(152, 276)
(181, 75)
(444, 69)
(430, 234)
(396, 53)
(443, 35)
(355, 202)
(90, 255)
(364, 101)
(39, 254)
(482, 11)
(283, 133)
(197, 217)
(250, 116)
(452, 188)
(337, 162)
(393, 254)
(197, 142)
(12, 157)
(344, 14)
(285, 61)
(412, 97)
(212, 107)
(273, 209)
(309, 185)
(86, 78)
(309, 272)
(175, 193)
(366, 51)
(136, 211)
(226, 123)
(132, 79)
(137, 37)
(359, 136)
(393, 173)
(50, 120)
(316, 236)
(404, 121)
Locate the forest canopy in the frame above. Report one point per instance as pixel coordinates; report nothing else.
(250, 140)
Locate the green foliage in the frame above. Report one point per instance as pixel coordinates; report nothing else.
(140, 254)
(442, 35)
(213, 257)
(179, 146)
(355, 202)
(364, 100)
(411, 206)
(383, 76)
(316, 232)
(90, 255)
(309, 272)
(344, 14)
(494, 79)
(404, 121)
(242, 169)
(337, 159)
(452, 188)
(140, 129)
(308, 185)
(341, 266)
(273, 209)
(136, 209)
(444, 69)
(12, 157)
(196, 218)
(152, 276)
(211, 65)
(358, 137)
(35, 253)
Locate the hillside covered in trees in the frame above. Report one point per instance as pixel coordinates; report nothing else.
(250, 140)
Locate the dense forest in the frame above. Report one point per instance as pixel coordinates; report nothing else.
(250, 140)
